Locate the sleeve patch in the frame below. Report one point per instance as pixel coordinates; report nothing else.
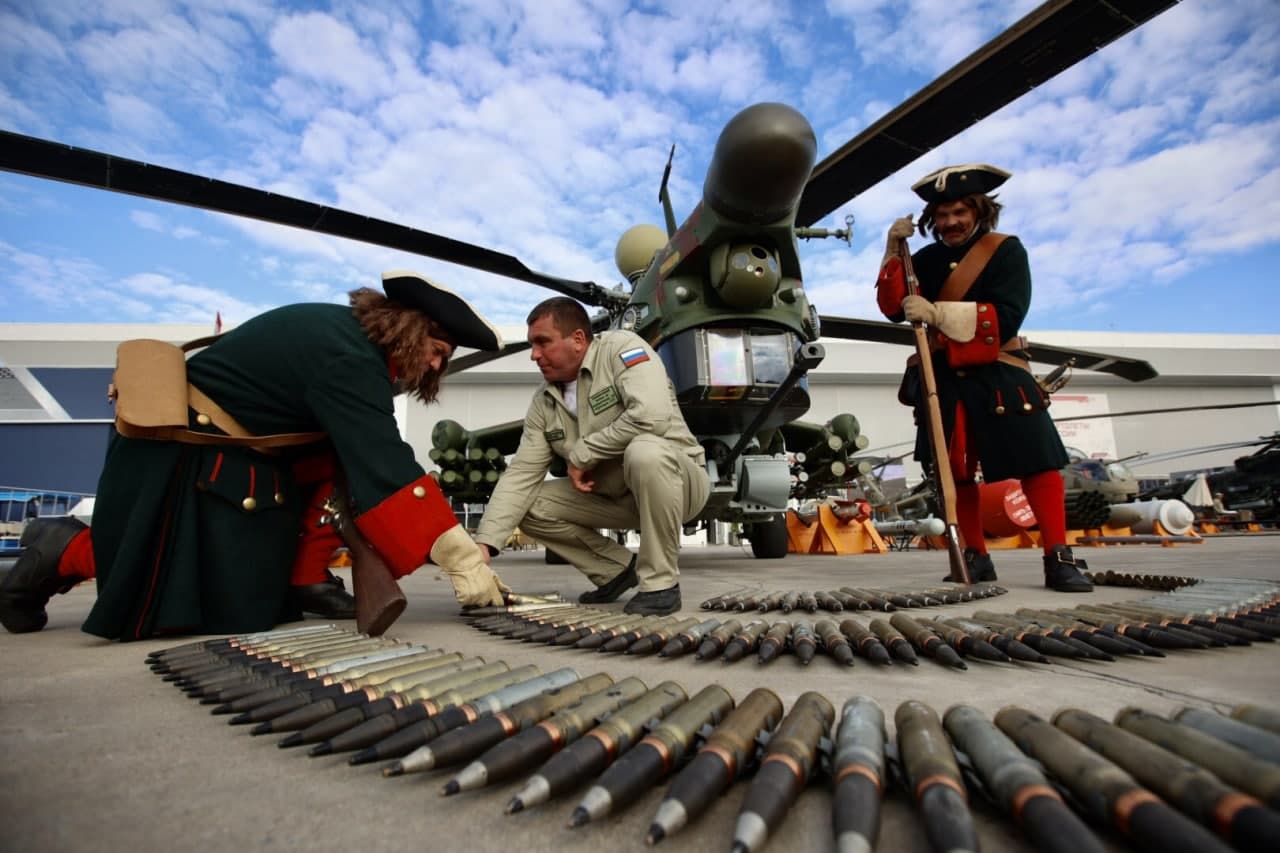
(635, 356)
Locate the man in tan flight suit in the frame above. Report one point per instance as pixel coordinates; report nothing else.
(608, 410)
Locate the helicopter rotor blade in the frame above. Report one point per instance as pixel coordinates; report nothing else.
(1047, 41)
(1194, 451)
(877, 331)
(41, 158)
(479, 357)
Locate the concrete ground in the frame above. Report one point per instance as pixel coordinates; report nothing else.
(98, 753)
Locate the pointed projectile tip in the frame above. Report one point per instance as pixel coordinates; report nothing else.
(364, 756)
(263, 728)
(516, 805)
(450, 788)
(323, 748)
(580, 817)
(393, 769)
(654, 835)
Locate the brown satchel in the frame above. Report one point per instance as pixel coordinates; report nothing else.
(153, 397)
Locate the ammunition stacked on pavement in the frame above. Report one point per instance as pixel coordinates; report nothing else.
(1198, 780)
(790, 758)
(848, 599)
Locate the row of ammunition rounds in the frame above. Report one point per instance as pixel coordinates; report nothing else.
(1092, 632)
(849, 598)
(1197, 781)
(1160, 582)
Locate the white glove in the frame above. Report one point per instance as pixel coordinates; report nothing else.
(474, 583)
(956, 320)
(919, 310)
(901, 229)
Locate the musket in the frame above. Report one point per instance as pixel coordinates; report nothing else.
(379, 599)
(937, 435)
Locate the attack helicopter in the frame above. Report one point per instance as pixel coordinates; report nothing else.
(720, 296)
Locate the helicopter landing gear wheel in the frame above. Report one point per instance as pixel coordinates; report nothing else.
(768, 538)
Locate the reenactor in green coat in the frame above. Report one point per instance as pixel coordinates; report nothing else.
(607, 411)
(974, 291)
(206, 538)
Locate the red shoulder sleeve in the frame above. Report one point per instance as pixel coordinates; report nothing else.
(405, 525)
(983, 347)
(891, 287)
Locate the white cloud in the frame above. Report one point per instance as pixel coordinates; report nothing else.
(323, 50)
(542, 129)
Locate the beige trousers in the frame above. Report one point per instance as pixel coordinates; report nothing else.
(656, 488)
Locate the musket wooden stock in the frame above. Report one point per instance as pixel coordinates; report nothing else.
(937, 435)
(379, 599)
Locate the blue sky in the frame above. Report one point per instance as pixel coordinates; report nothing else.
(1146, 180)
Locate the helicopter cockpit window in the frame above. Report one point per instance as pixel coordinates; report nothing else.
(727, 358)
(770, 356)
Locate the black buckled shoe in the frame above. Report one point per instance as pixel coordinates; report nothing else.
(615, 587)
(981, 569)
(1062, 571)
(660, 602)
(328, 599)
(34, 578)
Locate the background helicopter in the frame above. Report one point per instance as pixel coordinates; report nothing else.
(692, 300)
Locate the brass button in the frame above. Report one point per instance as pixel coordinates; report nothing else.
(988, 340)
(959, 373)
(419, 492)
(203, 419)
(953, 265)
(1026, 407)
(982, 309)
(249, 504)
(986, 324)
(999, 410)
(279, 498)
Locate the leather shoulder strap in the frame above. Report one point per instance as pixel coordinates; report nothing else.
(219, 417)
(970, 267)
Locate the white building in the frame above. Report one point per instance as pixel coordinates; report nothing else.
(54, 414)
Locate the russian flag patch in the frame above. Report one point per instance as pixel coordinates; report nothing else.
(632, 357)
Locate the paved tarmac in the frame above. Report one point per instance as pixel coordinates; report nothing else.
(99, 754)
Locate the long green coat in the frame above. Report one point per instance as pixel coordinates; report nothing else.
(196, 539)
(1007, 414)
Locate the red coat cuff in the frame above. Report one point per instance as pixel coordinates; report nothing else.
(891, 288)
(404, 526)
(984, 347)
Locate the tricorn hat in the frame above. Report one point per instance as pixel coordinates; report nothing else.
(952, 182)
(465, 326)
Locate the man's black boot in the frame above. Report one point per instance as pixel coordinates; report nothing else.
(328, 599)
(660, 602)
(615, 587)
(1062, 571)
(34, 578)
(981, 569)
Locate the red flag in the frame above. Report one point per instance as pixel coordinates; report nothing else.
(217, 323)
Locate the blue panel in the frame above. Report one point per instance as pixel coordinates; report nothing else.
(52, 457)
(82, 391)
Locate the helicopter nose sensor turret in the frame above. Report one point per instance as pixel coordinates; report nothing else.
(762, 160)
